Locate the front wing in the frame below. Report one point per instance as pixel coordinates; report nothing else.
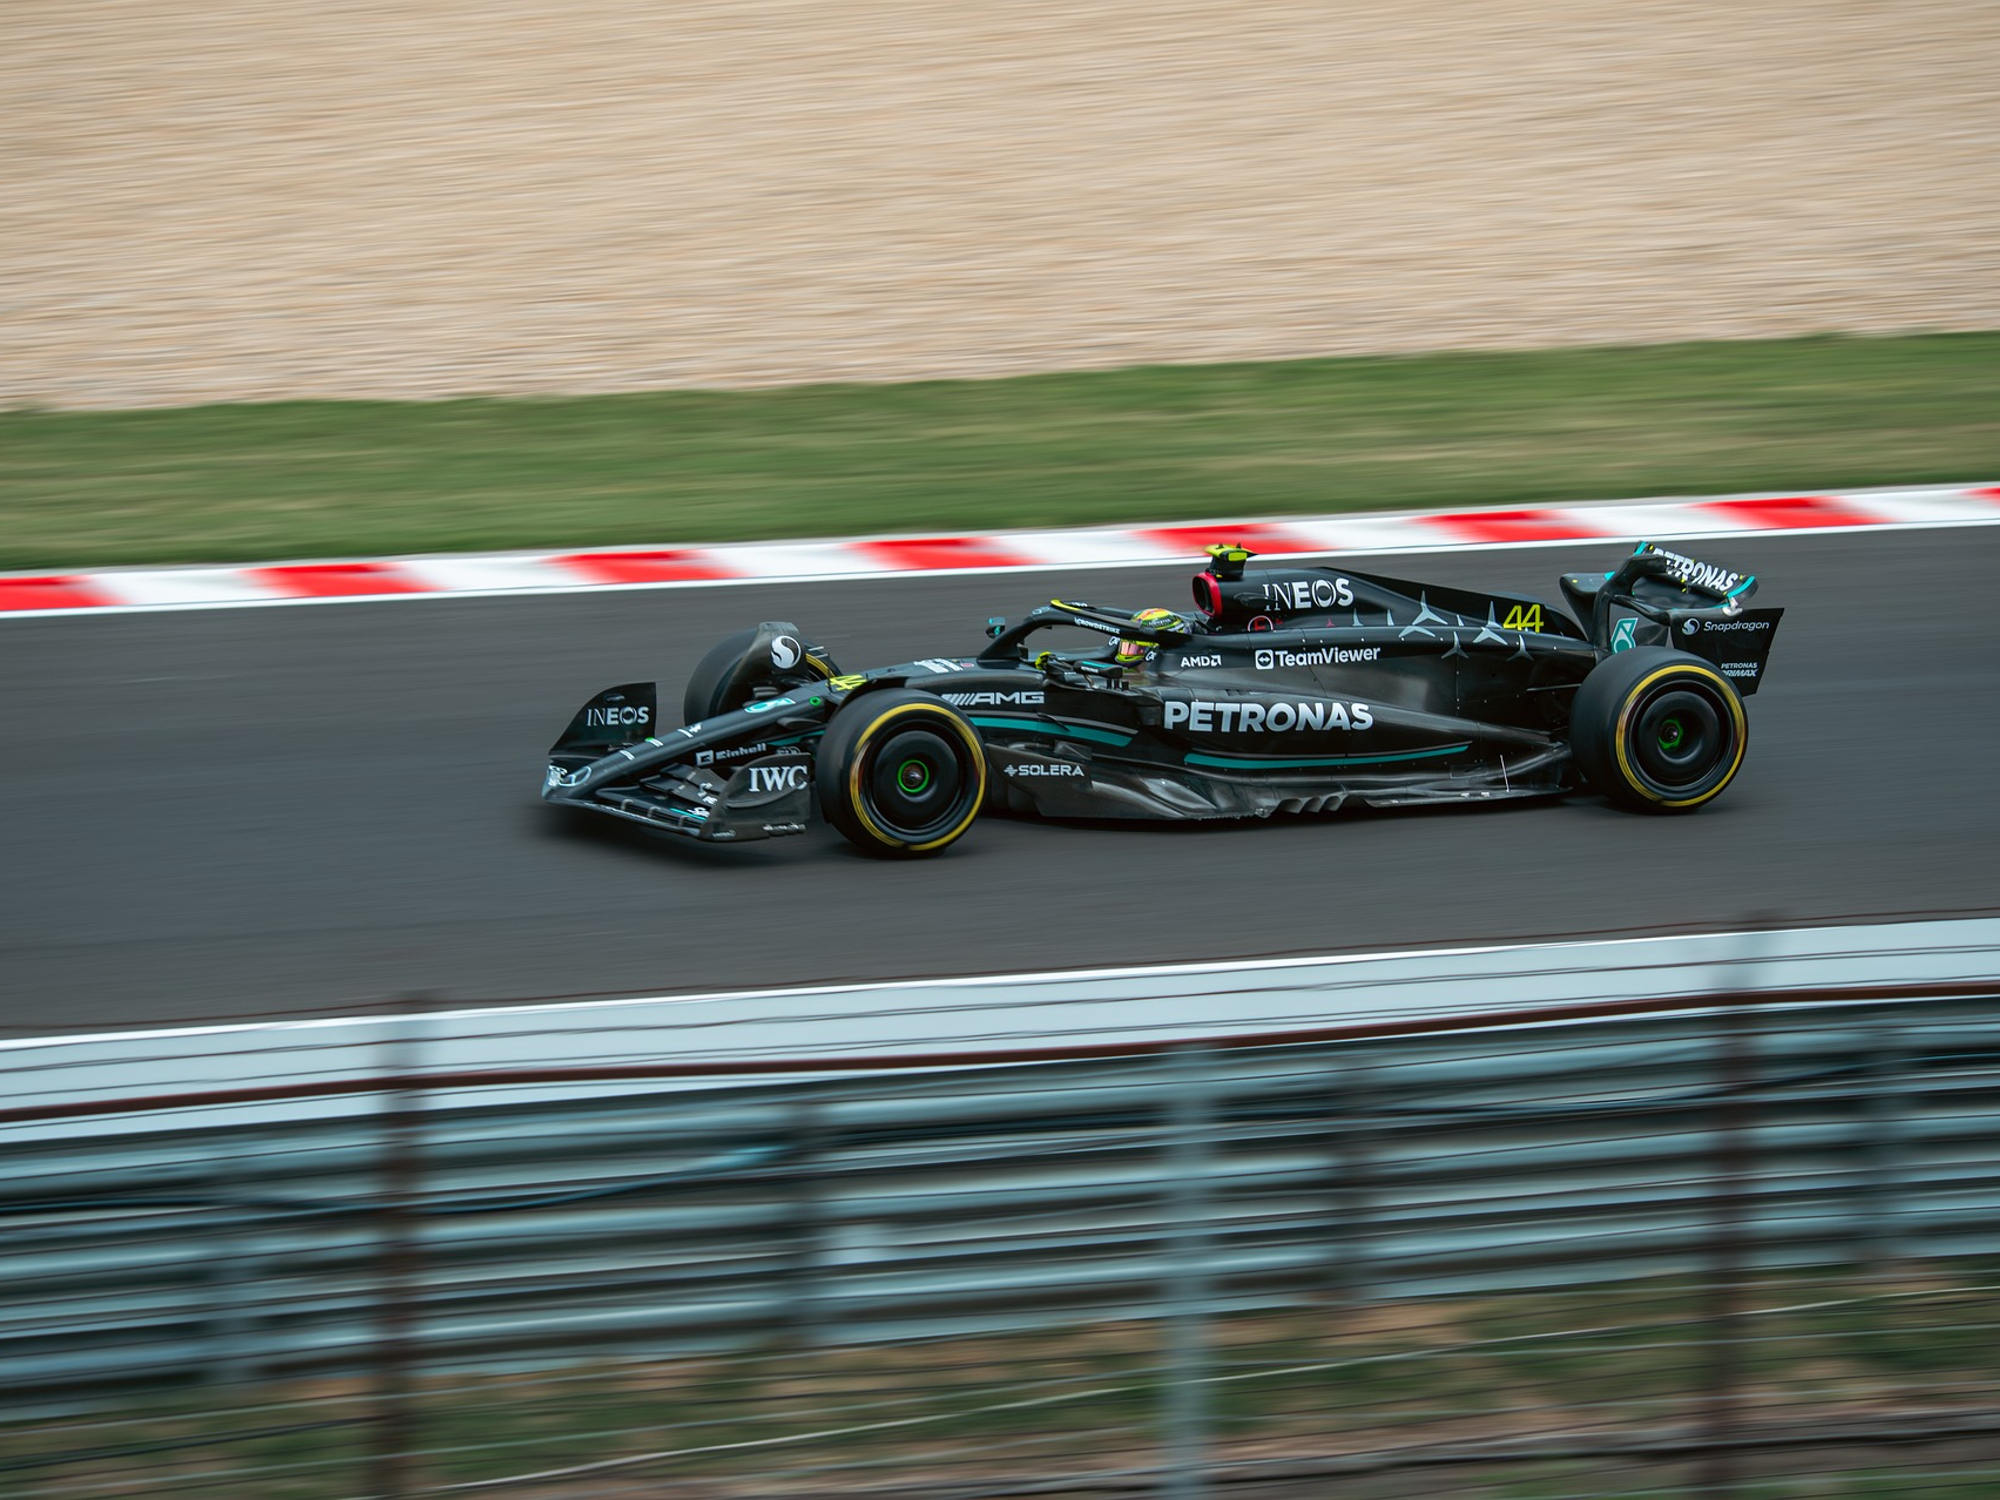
(736, 777)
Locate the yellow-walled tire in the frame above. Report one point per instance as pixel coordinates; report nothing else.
(901, 774)
(1658, 730)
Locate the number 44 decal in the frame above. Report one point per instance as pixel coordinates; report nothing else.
(1523, 617)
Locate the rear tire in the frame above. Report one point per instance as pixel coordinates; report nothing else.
(900, 774)
(1657, 730)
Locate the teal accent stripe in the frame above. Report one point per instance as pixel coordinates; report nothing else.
(1741, 587)
(1245, 763)
(1101, 736)
(1059, 731)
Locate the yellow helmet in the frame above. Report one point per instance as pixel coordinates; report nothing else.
(1132, 649)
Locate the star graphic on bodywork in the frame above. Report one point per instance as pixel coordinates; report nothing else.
(1490, 631)
(1457, 649)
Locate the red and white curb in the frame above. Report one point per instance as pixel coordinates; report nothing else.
(124, 589)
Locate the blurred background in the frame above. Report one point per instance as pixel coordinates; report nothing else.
(347, 1148)
(246, 201)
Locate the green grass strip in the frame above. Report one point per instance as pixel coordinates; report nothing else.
(238, 483)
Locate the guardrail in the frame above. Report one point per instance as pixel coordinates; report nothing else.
(322, 1068)
(1686, 1236)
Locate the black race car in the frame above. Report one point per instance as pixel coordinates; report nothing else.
(1288, 689)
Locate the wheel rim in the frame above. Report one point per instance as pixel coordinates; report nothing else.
(915, 784)
(1681, 740)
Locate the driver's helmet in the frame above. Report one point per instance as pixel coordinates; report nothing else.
(1132, 649)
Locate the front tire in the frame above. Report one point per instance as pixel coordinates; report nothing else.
(900, 774)
(713, 688)
(1657, 730)
(738, 668)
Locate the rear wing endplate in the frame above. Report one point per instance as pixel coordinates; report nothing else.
(1738, 645)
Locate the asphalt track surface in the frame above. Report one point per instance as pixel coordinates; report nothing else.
(227, 814)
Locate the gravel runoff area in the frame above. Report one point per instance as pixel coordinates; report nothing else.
(235, 200)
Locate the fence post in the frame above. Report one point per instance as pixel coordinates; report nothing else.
(1190, 1119)
(1882, 1147)
(231, 1277)
(805, 1308)
(394, 1428)
(1729, 1205)
(1351, 1278)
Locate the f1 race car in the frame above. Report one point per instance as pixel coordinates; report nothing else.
(1286, 689)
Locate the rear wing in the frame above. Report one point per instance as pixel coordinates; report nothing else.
(1705, 580)
(1670, 599)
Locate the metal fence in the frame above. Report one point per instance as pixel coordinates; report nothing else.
(1732, 1248)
